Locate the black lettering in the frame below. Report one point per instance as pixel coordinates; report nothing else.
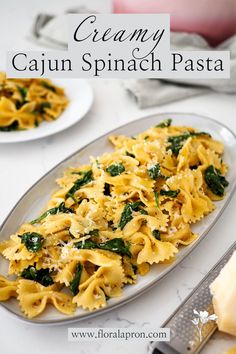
(119, 36)
(50, 66)
(14, 64)
(141, 64)
(86, 61)
(33, 65)
(200, 66)
(189, 65)
(177, 59)
(209, 61)
(156, 38)
(154, 61)
(93, 19)
(219, 65)
(63, 62)
(122, 65)
(99, 67)
(132, 65)
(138, 33)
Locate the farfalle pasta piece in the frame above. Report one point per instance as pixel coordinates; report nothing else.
(17, 266)
(13, 249)
(153, 223)
(50, 258)
(28, 227)
(181, 236)
(208, 157)
(187, 156)
(143, 268)
(9, 114)
(119, 140)
(195, 204)
(106, 281)
(92, 297)
(96, 257)
(146, 249)
(7, 288)
(212, 144)
(57, 238)
(130, 276)
(66, 274)
(64, 224)
(33, 298)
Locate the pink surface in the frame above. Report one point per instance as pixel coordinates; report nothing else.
(213, 19)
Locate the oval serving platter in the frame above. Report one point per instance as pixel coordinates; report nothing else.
(32, 202)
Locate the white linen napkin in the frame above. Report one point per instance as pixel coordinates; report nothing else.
(51, 31)
(154, 92)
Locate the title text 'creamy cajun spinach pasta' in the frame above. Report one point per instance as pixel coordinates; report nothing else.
(25, 103)
(110, 220)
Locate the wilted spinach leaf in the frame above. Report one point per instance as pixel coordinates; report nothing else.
(87, 177)
(154, 171)
(42, 276)
(127, 153)
(116, 245)
(74, 284)
(156, 196)
(156, 234)
(116, 169)
(48, 86)
(94, 232)
(23, 92)
(170, 193)
(56, 210)
(41, 107)
(215, 181)
(176, 142)
(127, 212)
(13, 126)
(32, 241)
(164, 124)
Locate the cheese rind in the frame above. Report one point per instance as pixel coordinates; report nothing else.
(223, 290)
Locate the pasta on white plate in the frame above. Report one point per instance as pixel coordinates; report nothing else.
(25, 103)
(110, 220)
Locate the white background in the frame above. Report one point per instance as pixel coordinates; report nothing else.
(22, 164)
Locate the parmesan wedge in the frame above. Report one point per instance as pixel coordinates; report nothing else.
(223, 290)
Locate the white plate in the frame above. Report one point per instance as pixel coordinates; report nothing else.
(80, 97)
(31, 204)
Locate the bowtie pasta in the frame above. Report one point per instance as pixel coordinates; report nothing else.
(25, 103)
(110, 220)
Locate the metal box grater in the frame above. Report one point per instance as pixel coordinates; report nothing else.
(184, 336)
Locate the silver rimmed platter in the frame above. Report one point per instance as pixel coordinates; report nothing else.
(32, 202)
